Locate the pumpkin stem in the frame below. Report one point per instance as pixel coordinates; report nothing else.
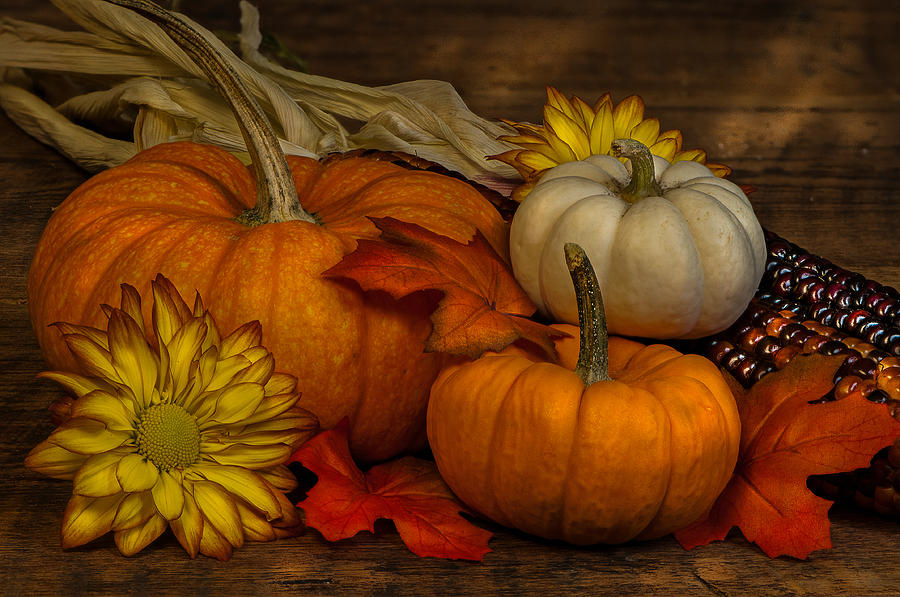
(643, 178)
(593, 355)
(276, 194)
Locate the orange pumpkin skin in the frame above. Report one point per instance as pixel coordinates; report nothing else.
(171, 210)
(525, 444)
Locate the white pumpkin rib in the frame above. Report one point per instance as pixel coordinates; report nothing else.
(721, 242)
(579, 224)
(535, 218)
(655, 283)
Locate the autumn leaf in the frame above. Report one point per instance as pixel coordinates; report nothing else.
(408, 491)
(483, 307)
(784, 440)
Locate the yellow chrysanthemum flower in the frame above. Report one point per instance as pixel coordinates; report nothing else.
(573, 130)
(190, 432)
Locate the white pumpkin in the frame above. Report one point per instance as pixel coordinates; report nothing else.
(678, 252)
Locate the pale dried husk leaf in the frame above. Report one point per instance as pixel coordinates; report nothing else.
(134, 75)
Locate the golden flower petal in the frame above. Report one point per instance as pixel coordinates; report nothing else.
(244, 484)
(183, 350)
(247, 335)
(256, 528)
(280, 477)
(213, 543)
(97, 476)
(87, 436)
(93, 358)
(603, 131)
(665, 148)
(225, 371)
(136, 473)
(674, 134)
(536, 161)
(188, 528)
(131, 541)
(135, 509)
(566, 129)
(96, 336)
(233, 404)
(131, 356)
(77, 384)
(48, 458)
(87, 518)
(586, 114)
(259, 372)
(646, 131)
(110, 410)
(271, 407)
(219, 510)
(168, 494)
(627, 114)
(251, 457)
(281, 383)
(131, 305)
(170, 312)
(720, 170)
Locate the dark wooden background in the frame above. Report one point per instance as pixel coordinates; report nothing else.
(801, 98)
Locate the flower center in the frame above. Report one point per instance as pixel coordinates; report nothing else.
(168, 436)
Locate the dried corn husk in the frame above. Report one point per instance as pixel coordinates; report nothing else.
(131, 73)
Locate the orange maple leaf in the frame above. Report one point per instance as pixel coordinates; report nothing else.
(483, 307)
(784, 440)
(408, 491)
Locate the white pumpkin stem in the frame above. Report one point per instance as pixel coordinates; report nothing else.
(643, 176)
(593, 354)
(276, 194)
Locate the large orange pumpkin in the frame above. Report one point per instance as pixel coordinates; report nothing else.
(184, 210)
(586, 451)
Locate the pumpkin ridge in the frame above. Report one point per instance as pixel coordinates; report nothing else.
(231, 196)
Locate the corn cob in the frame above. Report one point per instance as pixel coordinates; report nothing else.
(805, 304)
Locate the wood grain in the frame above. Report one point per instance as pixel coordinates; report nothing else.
(801, 98)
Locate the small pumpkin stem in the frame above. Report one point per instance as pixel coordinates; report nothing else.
(276, 194)
(643, 177)
(593, 355)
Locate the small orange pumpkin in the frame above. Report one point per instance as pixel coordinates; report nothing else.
(195, 214)
(636, 442)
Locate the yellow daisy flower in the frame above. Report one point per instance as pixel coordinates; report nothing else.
(573, 130)
(190, 432)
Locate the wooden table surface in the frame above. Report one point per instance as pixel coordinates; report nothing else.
(801, 98)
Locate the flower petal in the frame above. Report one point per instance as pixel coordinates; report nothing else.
(96, 336)
(131, 356)
(77, 384)
(136, 473)
(244, 484)
(184, 350)
(281, 383)
(219, 510)
(627, 114)
(568, 140)
(256, 528)
(252, 457)
(603, 131)
(110, 410)
(97, 477)
(646, 132)
(234, 404)
(87, 518)
(87, 436)
(225, 370)
(48, 458)
(280, 477)
(168, 495)
(213, 543)
(259, 372)
(169, 309)
(135, 509)
(665, 148)
(131, 541)
(249, 334)
(131, 305)
(93, 358)
(188, 528)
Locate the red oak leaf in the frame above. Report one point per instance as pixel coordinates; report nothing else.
(408, 491)
(483, 307)
(784, 440)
